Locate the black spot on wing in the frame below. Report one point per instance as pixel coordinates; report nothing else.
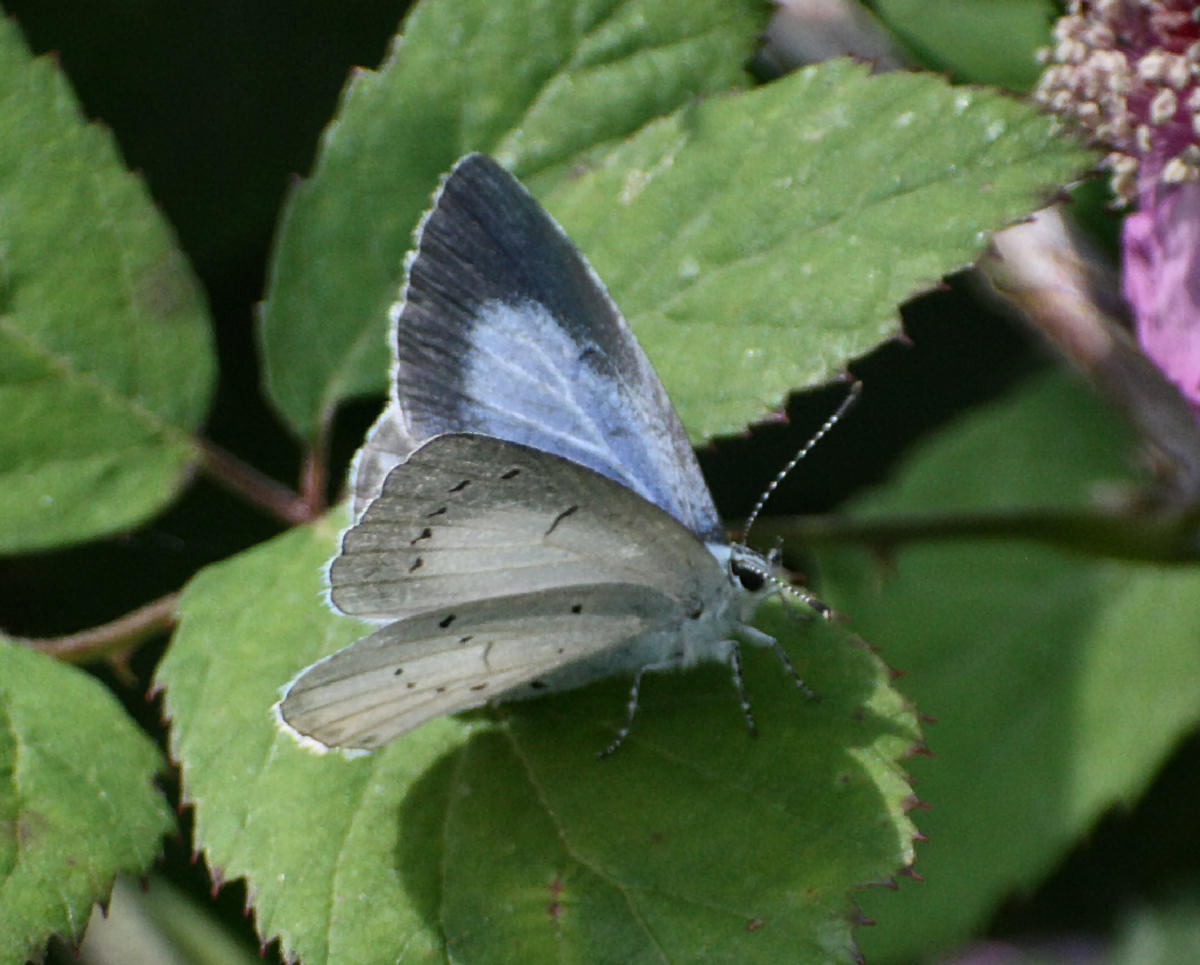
(461, 486)
(416, 565)
(426, 533)
(570, 510)
(441, 511)
(511, 474)
(446, 621)
(577, 608)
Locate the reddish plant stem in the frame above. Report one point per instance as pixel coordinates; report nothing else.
(1159, 536)
(314, 474)
(113, 638)
(117, 638)
(261, 490)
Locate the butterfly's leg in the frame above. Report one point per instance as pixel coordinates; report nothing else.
(758, 638)
(633, 703)
(739, 682)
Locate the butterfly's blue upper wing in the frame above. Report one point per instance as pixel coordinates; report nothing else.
(505, 330)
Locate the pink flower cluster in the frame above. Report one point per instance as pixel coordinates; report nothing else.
(1128, 73)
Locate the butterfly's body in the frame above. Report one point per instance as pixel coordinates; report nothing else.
(528, 515)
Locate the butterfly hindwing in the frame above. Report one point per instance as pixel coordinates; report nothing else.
(462, 656)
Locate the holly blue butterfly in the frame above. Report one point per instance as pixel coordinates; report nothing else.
(527, 514)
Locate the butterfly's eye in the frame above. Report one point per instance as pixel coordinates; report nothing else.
(750, 577)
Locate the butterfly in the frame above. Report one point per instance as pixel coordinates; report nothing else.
(527, 514)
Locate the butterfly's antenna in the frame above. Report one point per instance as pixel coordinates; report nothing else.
(833, 420)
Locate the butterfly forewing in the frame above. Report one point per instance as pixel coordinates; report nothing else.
(470, 517)
(505, 330)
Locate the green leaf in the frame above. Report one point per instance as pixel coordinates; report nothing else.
(759, 241)
(77, 799)
(106, 360)
(535, 82)
(499, 835)
(981, 41)
(1161, 935)
(165, 924)
(1059, 683)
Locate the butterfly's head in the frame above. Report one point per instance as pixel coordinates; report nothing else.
(752, 572)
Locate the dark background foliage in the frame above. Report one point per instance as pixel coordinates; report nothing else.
(219, 104)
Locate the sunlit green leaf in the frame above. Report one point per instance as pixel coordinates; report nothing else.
(105, 354)
(536, 82)
(499, 835)
(757, 241)
(77, 799)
